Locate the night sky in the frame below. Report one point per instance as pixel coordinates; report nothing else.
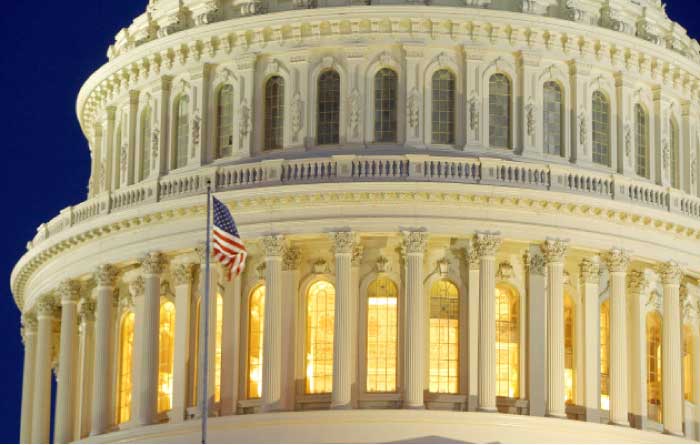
(49, 48)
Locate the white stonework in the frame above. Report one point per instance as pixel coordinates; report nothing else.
(506, 127)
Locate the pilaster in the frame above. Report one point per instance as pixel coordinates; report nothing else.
(341, 397)
(290, 277)
(101, 416)
(672, 373)
(273, 246)
(589, 381)
(67, 370)
(636, 283)
(537, 330)
(86, 314)
(473, 329)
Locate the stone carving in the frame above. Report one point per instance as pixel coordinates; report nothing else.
(530, 113)
(590, 271)
(554, 250)
(155, 136)
(152, 263)
(273, 245)
(343, 242)
(29, 322)
(126, 301)
(472, 257)
(296, 114)
(46, 306)
(244, 118)
(381, 266)
(413, 108)
(320, 266)
(414, 242)
(182, 274)
(291, 258)
(355, 107)
(357, 251)
(693, 167)
(536, 265)
(86, 310)
(260, 270)
(69, 291)
(628, 142)
(474, 113)
(272, 68)
(617, 260)
(487, 243)
(670, 273)
(505, 271)
(123, 161)
(582, 130)
(666, 155)
(196, 126)
(636, 281)
(655, 302)
(386, 59)
(105, 275)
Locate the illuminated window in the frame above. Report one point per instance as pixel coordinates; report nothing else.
(443, 119)
(274, 113)
(675, 158)
(319, 337)
(182, 131)
(654, 388)
(569, 369)
(444, 338)
(328, 108)
(642, 139)
(126, 350)
(688, 364)
(217, 347)
(605, 355)
(385, 106)
(167, 356)
(256, 320)
(224, 124)
(195, 355)
(382, 335)
(601, 129)
(553, 119)
(144, 144)
(507, 342)
(499, 111)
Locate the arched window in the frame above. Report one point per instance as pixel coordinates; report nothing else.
(126, 351)
(256, 321)
(605, 355)
(675, 156)
(217, 345)
(444, 338)
(601, 129)
(654, 388)
(688, 364)
(182, 131)
(382, 335)
(385, 105)
(224, 122)
(569, 339)
(167, 356)
(443, 119)
(144, 144)
(507, 342)
(499, 111)
(320, 312)
(553, 121)
(642, 140)
(328, 131)
(274, 113)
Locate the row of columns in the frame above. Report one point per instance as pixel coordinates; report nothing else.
(77, 347)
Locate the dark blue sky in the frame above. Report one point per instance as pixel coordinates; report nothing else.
(48, 48)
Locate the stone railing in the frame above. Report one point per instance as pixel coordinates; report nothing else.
(351, 168)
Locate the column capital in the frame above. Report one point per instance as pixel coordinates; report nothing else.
(86, 310)
(105, 275)
(181, 273)
(357, 252)
(636, 281)
(29, 323)
(670, 273)
(69, 292)
(273, 245)
(554, 250)
(534, 263)
(617, 260)
(291, 257)
(487, 243)
(589, 271)
(136, 286)
(415, 242)
(153, 263)
(343, 242)
(46, 306)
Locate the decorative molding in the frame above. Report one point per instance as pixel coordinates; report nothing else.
(381, 265)
(320, 267)
(291, 258)
(343, 242)
(260, 270)
(617, 260)
(415, 242)
(182, 274)
(153, 263)
(487, 243)
(637, 281)
(105, 275)
(554, 250)
(46, 306)
(69, 291)
(273, 245)
(86, 310)
(589, 271)
(670, 273)
(505, 271)
(357, 252)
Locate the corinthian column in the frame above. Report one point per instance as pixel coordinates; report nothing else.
(86, 312)
(147, 406)
(618, 261)
(590, 281)
(45, 309)
(486, 245)
(182, 278)
(554, 251)
(65, 393)
(671, 349)
(29, 325)
(414, 243)
(473, 330)
(637, 340)
(104, 338)
(342, 341)
(273, 246)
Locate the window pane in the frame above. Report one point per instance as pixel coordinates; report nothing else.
(507, 342)
(601, 129)
(499, 111)
(444, 338)
(443, 123)
(274, 113)
(605, 355)
(654, 388)
(225, 122)
(256, 321)
(182, 127)
(688, 364)
(553, 121)
(569, 368)
(382, 335)
(642, 140)
(217, 341)
(145, 144)
(167, 355)
(385, 87)
(126, 350)
(328, 108)
(319, 337)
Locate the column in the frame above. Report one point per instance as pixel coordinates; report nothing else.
(590, 380)
(487, 244)
(473, 330)
(670, 274)
(290, 276)
(41, 418)
(29, 327)
(617, 261)
(182, 275)
(537, 331)
(342, 341)
(67, 362)
(554, 251)
(147, 401)
(230, 340)
(357, 252)
(414, 244)
(637, 349)
(273, 246)
(86, 312)
(101, 416)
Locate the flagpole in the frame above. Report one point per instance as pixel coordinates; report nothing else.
(204, 406)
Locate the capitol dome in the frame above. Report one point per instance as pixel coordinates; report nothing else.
(472, 221)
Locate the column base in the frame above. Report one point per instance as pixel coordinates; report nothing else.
(407, 406)
(637, 421)
(592, 415)
(618, 423)
(344, 406)
(487, 409)
(472, 403)
(556, 415)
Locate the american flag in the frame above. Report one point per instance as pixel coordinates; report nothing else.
(228, 249)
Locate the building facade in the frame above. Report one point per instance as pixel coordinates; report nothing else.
(472, 220)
